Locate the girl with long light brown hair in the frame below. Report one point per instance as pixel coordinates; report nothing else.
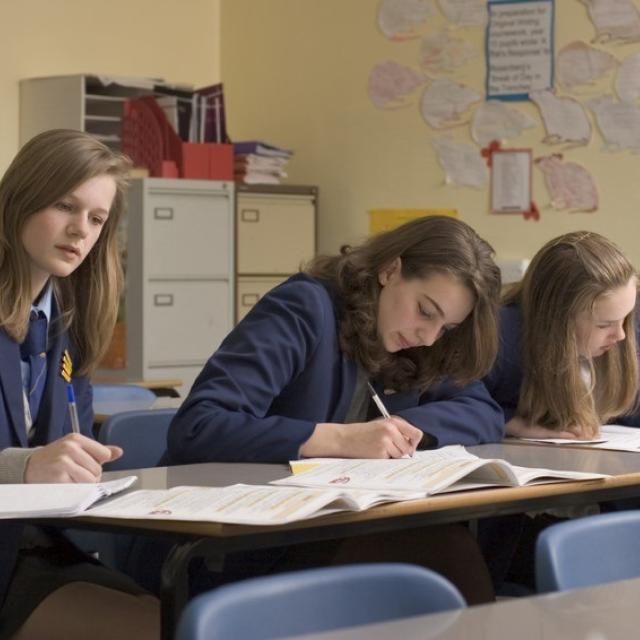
(568, 358)
(567, 363)
(60, 280)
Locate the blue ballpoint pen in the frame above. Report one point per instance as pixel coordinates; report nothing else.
(73, 409)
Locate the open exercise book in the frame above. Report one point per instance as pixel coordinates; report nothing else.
(612, 436)
(55, 500)
(330, 485)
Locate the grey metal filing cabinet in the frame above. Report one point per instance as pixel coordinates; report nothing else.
(275, 234)
(179, 240)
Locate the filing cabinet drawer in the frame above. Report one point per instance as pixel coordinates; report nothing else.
(250, 290)
(186, 321)
(187, 233)
(275, 233)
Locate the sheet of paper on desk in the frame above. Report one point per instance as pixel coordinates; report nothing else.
(243, 504)
(613, 437)
(55, 500)
(557, 440)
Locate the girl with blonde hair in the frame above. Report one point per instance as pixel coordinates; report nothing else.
(60, 280)
(567, 363)
(568, 360)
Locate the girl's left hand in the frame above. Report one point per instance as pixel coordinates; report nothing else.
(518, 428)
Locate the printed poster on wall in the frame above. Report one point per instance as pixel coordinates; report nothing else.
(519, 43)
(511, 181)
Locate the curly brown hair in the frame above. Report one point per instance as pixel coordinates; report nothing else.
(433, 244)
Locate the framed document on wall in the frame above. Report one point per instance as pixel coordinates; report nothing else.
(511, 181)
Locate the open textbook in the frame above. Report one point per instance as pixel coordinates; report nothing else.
(55, 500)
(448, 469)
(612, 436)
(244, 504)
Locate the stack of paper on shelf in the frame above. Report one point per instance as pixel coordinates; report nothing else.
(259, 163)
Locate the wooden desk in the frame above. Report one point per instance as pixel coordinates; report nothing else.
(213, 540)
(154, 385)
(102, 410)
(605, 612)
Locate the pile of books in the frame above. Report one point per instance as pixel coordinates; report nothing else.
(196, 115)
(259, 163)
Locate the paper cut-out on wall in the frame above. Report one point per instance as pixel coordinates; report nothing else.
(564, 118)
(570, 185)
(614, 19)
(580, 63)
(390, 84)
(619, 123)
(465, 13)
(399, 19)
(628, 79)
(445, 103)
(493, 120)
(461, 163)
(440, 53)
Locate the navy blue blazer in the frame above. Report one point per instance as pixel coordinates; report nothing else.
(281, 371)
(53, 419)
(505, 379)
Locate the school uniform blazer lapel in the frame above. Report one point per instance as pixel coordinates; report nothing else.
(11, 381)
(54, 412)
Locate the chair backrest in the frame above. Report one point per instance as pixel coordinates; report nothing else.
(141, 434)
(588, 551)
(316, 600)
(121, 393)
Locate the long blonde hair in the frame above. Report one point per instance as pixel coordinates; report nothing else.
(565, 278)
(434, 244)
(47, 168)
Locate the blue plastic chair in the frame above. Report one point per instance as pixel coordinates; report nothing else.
(121, 393)
(316, 600)
(141, 434)
(143, 437)
(588, 551)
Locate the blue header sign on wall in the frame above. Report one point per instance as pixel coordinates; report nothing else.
(519, 48)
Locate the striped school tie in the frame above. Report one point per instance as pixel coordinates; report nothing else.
(34, 351)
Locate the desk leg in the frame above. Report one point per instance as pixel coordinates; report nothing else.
(174, 586)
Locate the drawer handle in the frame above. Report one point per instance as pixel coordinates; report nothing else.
(250, 215)
(249, 299)
(163, 213)
(163, 300)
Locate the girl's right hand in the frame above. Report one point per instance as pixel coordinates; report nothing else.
(381, 438)
(72, 458)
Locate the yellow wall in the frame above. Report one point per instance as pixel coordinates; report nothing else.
(177, 40)
(295, 74)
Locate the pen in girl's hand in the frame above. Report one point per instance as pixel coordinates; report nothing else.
(73, 409)
(379, 403)
(382, 409)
